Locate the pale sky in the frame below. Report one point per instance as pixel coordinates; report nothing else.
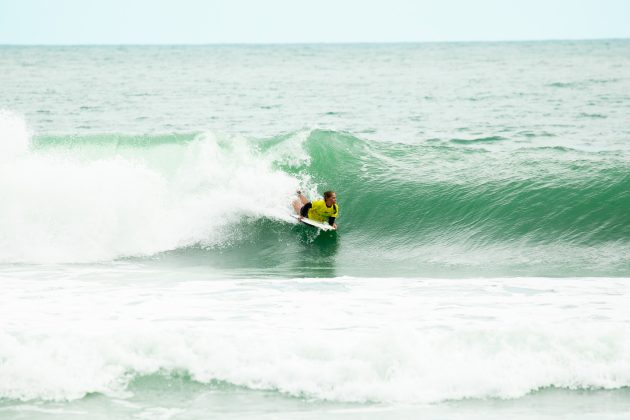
(300, 21)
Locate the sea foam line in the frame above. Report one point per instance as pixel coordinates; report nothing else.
(344, 339)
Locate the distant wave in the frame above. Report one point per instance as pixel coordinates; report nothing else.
(490, 139)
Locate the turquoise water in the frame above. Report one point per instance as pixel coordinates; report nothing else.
(150, 266)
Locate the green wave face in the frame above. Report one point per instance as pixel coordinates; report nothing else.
(427, 192)
(446, 207)
(442, 207)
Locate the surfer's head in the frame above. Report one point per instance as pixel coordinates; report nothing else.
(330, 198)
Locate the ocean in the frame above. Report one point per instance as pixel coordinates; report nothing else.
(149, 266)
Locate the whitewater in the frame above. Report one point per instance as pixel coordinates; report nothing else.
(150, 268)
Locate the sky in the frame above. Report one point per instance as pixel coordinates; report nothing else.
(302, 21)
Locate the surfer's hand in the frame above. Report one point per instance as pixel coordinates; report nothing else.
(334, 225)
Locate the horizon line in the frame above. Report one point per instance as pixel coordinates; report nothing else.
(247, 43)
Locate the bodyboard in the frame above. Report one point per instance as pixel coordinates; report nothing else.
(319, 225)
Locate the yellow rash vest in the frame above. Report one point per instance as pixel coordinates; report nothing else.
(321, 213)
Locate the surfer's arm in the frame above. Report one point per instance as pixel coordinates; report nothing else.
(331, 219)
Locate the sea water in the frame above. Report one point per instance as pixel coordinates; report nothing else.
(149, 267)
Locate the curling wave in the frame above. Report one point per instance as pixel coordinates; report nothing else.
(103, 197)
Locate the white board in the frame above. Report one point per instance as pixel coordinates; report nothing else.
(319, 225)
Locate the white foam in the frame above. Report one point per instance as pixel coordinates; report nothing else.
(384, 340)
(68, 206)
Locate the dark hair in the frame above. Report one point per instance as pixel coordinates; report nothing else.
(328, 194)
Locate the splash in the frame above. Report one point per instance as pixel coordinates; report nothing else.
(92, 202)
(15, 136)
